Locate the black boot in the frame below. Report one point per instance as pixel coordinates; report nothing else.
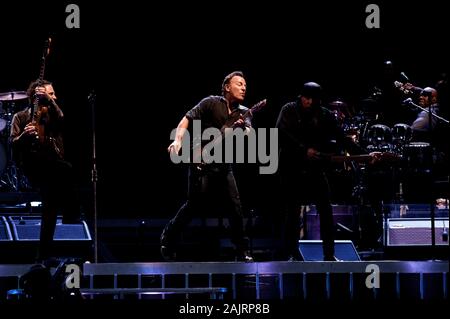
(168, 253)
(244, 255)
(330, 258)
(294, 255)
(167, 249)
(242, 250)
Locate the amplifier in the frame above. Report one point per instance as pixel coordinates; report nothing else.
(312, 250)
(28, 228)
(5, 231)
(416, 231)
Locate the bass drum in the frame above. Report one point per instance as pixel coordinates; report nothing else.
(401, 133)
(419, 156)
(2, 124)
(3, 159)
(379, 138)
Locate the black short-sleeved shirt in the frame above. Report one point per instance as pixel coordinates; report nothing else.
(213, 112)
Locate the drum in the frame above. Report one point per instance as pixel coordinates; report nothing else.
(3, 159)
(2, 124)
(351, 130)
(379, 138)
(419, 155)
(401, 134)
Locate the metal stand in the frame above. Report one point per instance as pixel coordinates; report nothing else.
(12, 178)
(432, 204)
(431, 116)
(360, 194)
(91, 99)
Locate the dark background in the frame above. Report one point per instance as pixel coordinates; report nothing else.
(149, 63)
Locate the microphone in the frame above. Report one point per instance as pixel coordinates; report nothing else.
(92, 96)
(404, 77)
(407, 101)
(397, 84)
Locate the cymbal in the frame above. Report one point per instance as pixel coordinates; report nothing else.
(13, 96)
(338, 104)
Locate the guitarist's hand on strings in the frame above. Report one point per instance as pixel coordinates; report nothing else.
(376, 157)
(45, 96)
(313, 154)
(30, 129)
(239, 123)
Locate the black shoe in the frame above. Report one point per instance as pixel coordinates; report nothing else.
(294, 255)
(49, 262)
(71, 221)
(168, 254)
(245, 257)
(331, 258)
(294, 258)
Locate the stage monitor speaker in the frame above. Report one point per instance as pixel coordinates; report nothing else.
(28, 228)
(312, 250)
(416, 231)
(5, 231)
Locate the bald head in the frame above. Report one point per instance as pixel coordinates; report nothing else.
(428, 96)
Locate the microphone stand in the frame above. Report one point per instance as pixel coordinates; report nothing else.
(432, 204)
(430, 113)
(94, 177)
(432, 212)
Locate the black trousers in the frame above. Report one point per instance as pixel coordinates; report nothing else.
(302, 189)
(55, 181)
(209, 188)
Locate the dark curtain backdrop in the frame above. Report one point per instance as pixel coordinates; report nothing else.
(149, 64)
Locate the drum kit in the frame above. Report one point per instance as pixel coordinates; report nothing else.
(364, 130)
(10, 179)
(395, 178)
(398, 140)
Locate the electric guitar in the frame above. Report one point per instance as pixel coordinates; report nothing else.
(40, 112)
(225, 131)
(363, 158)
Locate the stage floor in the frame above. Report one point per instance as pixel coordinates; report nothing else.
(303, 281)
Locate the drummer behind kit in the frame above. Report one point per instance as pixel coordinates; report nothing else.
(395, 143)
(11, 179)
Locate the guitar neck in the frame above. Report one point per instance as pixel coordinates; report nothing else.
(35, 104)
(365, 158)
(351, 158)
